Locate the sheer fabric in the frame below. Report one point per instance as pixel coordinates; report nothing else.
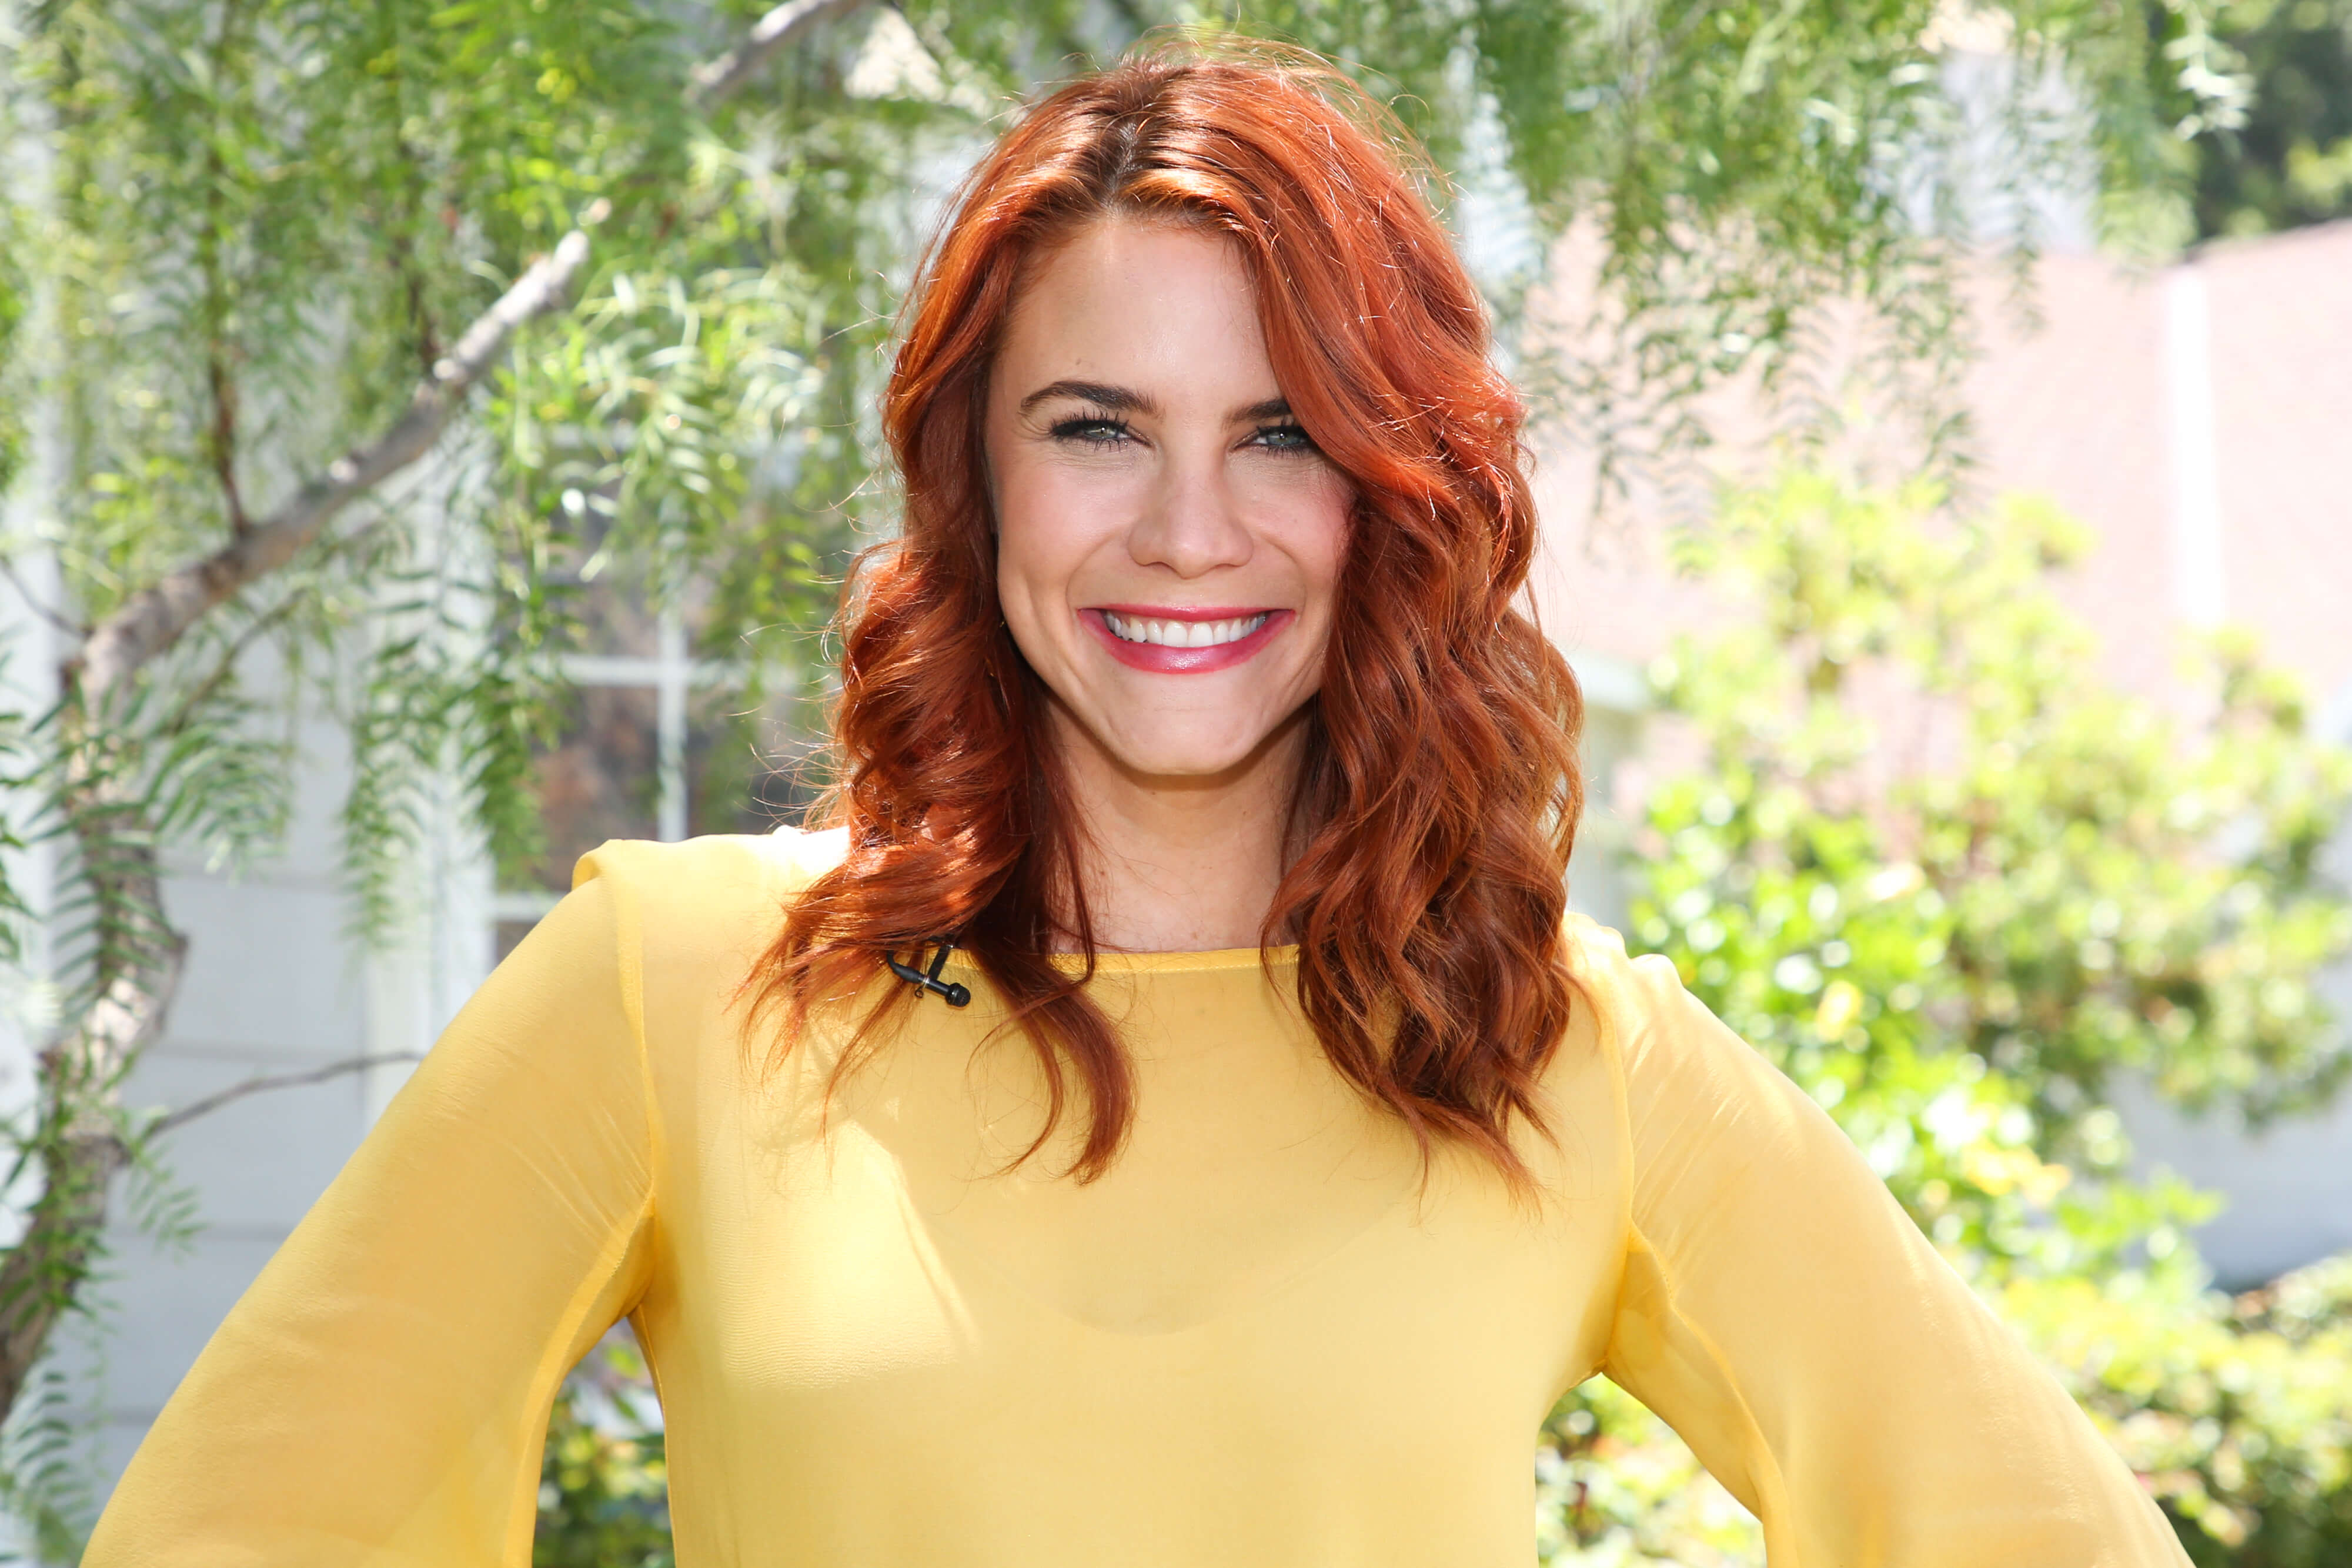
(1258, 1343)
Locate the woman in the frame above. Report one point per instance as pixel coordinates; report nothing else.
(1271, 1154)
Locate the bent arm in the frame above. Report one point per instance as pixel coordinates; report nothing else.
(381, 1394)
(1783, 1313)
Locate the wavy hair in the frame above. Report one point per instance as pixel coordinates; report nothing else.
(1438, 800)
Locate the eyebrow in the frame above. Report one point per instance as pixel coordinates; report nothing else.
(1118, 400)
(1126, 400)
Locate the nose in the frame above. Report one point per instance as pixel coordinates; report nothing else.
(1189, 524)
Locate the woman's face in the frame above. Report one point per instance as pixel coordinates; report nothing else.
(1168, 536)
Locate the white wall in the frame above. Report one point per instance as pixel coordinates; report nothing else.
(2287, 1187)
(275, 985)
(2288, 1190)
(1614, 698)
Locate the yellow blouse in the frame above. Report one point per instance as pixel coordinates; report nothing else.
(1253, 1343)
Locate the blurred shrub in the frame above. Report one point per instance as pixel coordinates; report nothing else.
(2239, 1413)
(2289, 163)
(1932, 866)
(603, 1487)
(1615, 1487)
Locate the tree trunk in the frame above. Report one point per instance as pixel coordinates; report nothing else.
(82, 1141)
(79, 1142)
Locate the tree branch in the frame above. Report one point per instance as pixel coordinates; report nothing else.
(185, 713)
(140, 958)
(218, 380)
(718, 79)
(47, 612)
(333, 1070)
(154, 619)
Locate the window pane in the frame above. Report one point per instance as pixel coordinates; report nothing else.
(601, 782)
(609, 593)
(739, 772)
(509, 937)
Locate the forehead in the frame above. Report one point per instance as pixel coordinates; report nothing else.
(1132, 297)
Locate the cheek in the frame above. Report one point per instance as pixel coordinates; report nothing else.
(1322, 525)
(1024, 578)
(1045, 528)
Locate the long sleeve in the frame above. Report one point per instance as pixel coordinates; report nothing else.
(381, 1394)
(1784, 1315)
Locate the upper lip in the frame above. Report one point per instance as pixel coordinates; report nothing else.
(1175, 612)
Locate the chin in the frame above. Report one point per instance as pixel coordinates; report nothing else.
(1169, 757)
(1183, 765)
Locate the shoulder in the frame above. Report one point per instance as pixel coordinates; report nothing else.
(1685, 1075)
(719, 865)
(709, 895)
(1658, 1038)
(1631, 998)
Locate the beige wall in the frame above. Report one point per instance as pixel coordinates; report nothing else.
(2199, 419)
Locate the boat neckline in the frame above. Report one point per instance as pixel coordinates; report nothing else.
(1118, 963)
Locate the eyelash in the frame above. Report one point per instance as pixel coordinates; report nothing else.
(1085, 427)
(1081, 427)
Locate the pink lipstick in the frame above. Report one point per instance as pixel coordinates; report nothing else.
(1214, 639)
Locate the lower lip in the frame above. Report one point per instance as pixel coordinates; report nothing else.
(1160, 661)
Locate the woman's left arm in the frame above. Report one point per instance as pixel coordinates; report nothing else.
(1782, 1313)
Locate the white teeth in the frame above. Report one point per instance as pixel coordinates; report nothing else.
(1182, 634)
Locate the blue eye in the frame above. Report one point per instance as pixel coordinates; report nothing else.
(1285, 438)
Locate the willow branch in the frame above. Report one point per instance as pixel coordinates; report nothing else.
(140, 959)
(717, 80)
(33, 601)
(184, 712)
(154, 619)
(263, 1084)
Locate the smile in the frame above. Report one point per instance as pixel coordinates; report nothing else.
(1166, 641)
(1182, 633)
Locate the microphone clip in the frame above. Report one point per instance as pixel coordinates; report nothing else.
(929, 980)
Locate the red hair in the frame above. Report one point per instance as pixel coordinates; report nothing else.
(1439, 798)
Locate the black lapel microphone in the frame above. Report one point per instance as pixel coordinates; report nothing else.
(929, 980)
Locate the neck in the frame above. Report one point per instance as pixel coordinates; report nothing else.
(1183, 863)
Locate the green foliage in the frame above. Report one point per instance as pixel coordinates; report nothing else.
(1616, 1488)
(45, 1482)
(1739, 165)
(12, 305)
(2291, 161)
(2237, 1412)
(266, 218)
(1928, 832)
(604, 1500)
(1940, 873)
